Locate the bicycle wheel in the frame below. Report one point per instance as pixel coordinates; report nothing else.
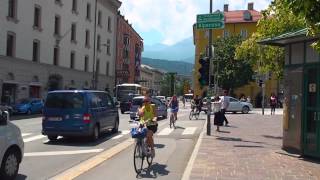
(171, 120)
(138, 158)
(190, 115)
(149, 160)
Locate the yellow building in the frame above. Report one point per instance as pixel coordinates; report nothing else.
(237, 22)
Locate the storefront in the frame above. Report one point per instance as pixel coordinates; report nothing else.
(301, 121)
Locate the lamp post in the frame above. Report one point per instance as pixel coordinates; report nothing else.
(94, 75)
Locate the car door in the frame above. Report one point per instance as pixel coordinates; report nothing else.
(95, 109)
(3, 138)
(104, 110)
(160, 108)
(234, 105)
(37, 105)
(112, 110)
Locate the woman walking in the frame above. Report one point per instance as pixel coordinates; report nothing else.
(218, 116)
(273, 103)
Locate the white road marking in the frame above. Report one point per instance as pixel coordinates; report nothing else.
(120, 135)
(165, 131)
(33, 138)
(56, 153)
(189, 131)
(25, 134)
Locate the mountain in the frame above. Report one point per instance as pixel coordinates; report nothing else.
(181, 51)
(182, 68)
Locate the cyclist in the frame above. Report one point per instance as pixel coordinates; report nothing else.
(148, 118)
(197, 102)
(174, 106)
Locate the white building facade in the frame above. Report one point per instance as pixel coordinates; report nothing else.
(151, 78)
(50, 45)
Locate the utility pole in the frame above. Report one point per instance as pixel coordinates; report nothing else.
(209, 84)
(94, 73)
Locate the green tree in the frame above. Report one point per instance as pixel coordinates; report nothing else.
(309, 10)
(232, 73)
(165, 85)
(276, 20)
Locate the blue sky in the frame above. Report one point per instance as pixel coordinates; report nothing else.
(170, 21)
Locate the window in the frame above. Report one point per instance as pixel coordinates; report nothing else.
(65, 101)
(107, 68)
(37, 17)
(12, 9)
(126, 40)
(73, 32)
(244, 33)
(99, 18)
(11, 43)
(36, 51)
(57, 22)
(56, 56)
(108, 47)
(87, 43)
(59, 2)
(74, 6)
(88, 12)
(98, 66)
(72, 59)
(99, 43)
(86, 63)
(109, 24)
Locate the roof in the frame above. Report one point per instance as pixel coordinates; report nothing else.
(237, 16)
(286, 38)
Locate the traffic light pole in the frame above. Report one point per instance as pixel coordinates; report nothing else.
(209, 84)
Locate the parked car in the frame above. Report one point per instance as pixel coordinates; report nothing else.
(138, 101)
(6, 107)
(28, 106)
(79, 113)
(126, 103)
(11, 148)
(238, 106)
(162, 98)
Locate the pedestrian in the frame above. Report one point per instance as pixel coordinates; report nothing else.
(243, 98)
(218, 117)
(248, 99)
(184, 102)
(273, 103)
(224, 105)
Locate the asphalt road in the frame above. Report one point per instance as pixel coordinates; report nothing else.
(44, 159)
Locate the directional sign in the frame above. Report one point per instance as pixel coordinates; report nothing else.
(204, 18)
(210, 21)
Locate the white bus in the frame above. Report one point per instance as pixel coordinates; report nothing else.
(188, 97)
(122, 91)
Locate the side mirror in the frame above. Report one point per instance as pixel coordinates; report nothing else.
(4, 118)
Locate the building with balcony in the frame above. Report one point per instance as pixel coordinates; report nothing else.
(58, 44)
(129, 49)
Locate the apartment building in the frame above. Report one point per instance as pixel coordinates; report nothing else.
(151, 78)
(57, 44)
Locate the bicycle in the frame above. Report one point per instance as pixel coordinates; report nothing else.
(172, 118)
(141, 150)
(194, 113)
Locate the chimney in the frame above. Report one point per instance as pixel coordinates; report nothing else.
(226, 7)
(250, 6)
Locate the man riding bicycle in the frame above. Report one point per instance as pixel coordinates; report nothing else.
(148, 118)
(196, 103)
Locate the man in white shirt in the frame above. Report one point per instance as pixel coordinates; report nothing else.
(224, 105)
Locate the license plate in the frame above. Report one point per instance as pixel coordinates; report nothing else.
(54, 119)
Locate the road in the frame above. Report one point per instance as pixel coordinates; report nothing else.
(44, 159)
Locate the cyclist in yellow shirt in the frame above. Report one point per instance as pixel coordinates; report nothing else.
(148, 118)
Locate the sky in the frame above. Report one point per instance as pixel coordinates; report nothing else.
(170, 21)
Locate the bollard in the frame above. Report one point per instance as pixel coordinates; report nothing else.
(209, 118)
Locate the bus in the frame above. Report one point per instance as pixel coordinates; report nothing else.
(122, 91)
(188, 97)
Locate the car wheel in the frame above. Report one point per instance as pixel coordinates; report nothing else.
(116, 126)
(10, 165)
(95, 133)
(245, 110)
(29, 112)
(122, 112)
(52, 138)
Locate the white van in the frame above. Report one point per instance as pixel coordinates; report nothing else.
(11, 148)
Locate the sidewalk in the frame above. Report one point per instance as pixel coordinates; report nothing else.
(250, 149)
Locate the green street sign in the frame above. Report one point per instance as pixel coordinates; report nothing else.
(205, 18)
(211, 25)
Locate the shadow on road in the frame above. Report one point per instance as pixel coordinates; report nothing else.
(154, 171)
(248, 146)
(21, 177)
(82, 141)
(237, 140)
(24, 116)
(272, 137)
(159, 146)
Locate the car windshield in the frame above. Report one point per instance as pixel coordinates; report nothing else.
(65, 101)
(137, 101)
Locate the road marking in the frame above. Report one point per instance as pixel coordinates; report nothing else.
(85, 166)
(33, 138)
(25, 134)
(165, 131)
(121, 135)
(189, 131)
(56, 153)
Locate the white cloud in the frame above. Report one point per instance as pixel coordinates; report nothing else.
(174, 18)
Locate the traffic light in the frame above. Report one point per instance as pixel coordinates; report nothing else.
(204, 71)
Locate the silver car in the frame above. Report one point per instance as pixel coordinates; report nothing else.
(138, 101)
(238, 106)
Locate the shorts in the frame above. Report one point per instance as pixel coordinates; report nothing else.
(153, 128)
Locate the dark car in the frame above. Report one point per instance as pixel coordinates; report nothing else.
(126, 103)
(138, 101)
(28, 106)
(81, 113)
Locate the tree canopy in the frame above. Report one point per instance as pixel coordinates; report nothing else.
(276, 20)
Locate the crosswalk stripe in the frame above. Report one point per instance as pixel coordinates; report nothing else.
(189, 131)
(25, 134)
(165, 131)
(55, 153)
(33, 138)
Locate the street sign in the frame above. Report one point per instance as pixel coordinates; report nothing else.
(203, 18)
(210, 21)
